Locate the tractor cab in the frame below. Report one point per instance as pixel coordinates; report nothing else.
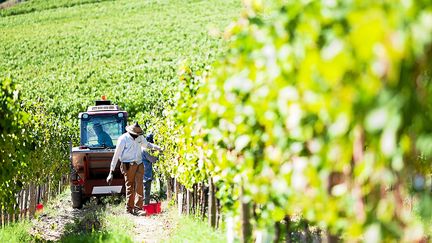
(101, 126)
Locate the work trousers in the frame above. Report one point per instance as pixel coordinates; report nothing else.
(147, 190)
(134, 185)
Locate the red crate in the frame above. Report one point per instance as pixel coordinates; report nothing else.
(39, 207)
(152, 208)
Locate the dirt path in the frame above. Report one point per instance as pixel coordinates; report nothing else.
(60, 220)
(50, 225)
(154, 228)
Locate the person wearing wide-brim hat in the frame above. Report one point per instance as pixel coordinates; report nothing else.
(128, 152)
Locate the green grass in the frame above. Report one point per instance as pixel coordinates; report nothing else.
(113, 225)
(16, 232)
(129, 50)
(113, 229)
(190, 229)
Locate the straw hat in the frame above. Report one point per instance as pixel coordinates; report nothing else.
(134, 129)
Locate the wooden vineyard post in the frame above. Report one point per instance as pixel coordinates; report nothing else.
(42, 191)
(287, 229)
(195, 196)
(245, 219)
(307, 234)
(21, 204)
(65, 182)
(59, 187)
(199, 199)
(188, 201)
(38, 194)
(169, 187)
(21, 213)
(12, 214)
(49, 188)
(27, 193)
(184, 192)
(180, 203)
(183, 198)
(16, 207)
(2, 217)
(218, 213)
(32, 206)
(203, 200)
(46, 189)
(161, 185)
(277, 232)
(178, 196)
(8, 219)
(17, 210)
(176, 191)
(212, 204)
(53, 188)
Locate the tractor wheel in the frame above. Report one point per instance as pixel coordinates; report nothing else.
(77, 199)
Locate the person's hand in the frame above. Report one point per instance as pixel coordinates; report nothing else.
(109, 178)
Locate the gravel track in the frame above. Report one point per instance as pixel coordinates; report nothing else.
(59, 220)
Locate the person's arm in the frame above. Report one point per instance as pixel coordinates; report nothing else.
(153, 146)
(119, 148)
(146, 144)
(152, 159)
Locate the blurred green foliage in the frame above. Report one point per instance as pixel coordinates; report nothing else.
(320, 109)
(317, 110)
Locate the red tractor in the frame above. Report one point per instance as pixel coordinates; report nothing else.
(100, 128)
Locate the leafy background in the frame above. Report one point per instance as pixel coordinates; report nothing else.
(316, 109)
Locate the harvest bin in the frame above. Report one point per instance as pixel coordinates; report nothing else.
(152, 208)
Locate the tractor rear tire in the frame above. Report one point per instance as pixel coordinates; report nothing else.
(77, 199)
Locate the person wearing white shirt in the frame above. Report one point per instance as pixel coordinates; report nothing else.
(128, 152)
